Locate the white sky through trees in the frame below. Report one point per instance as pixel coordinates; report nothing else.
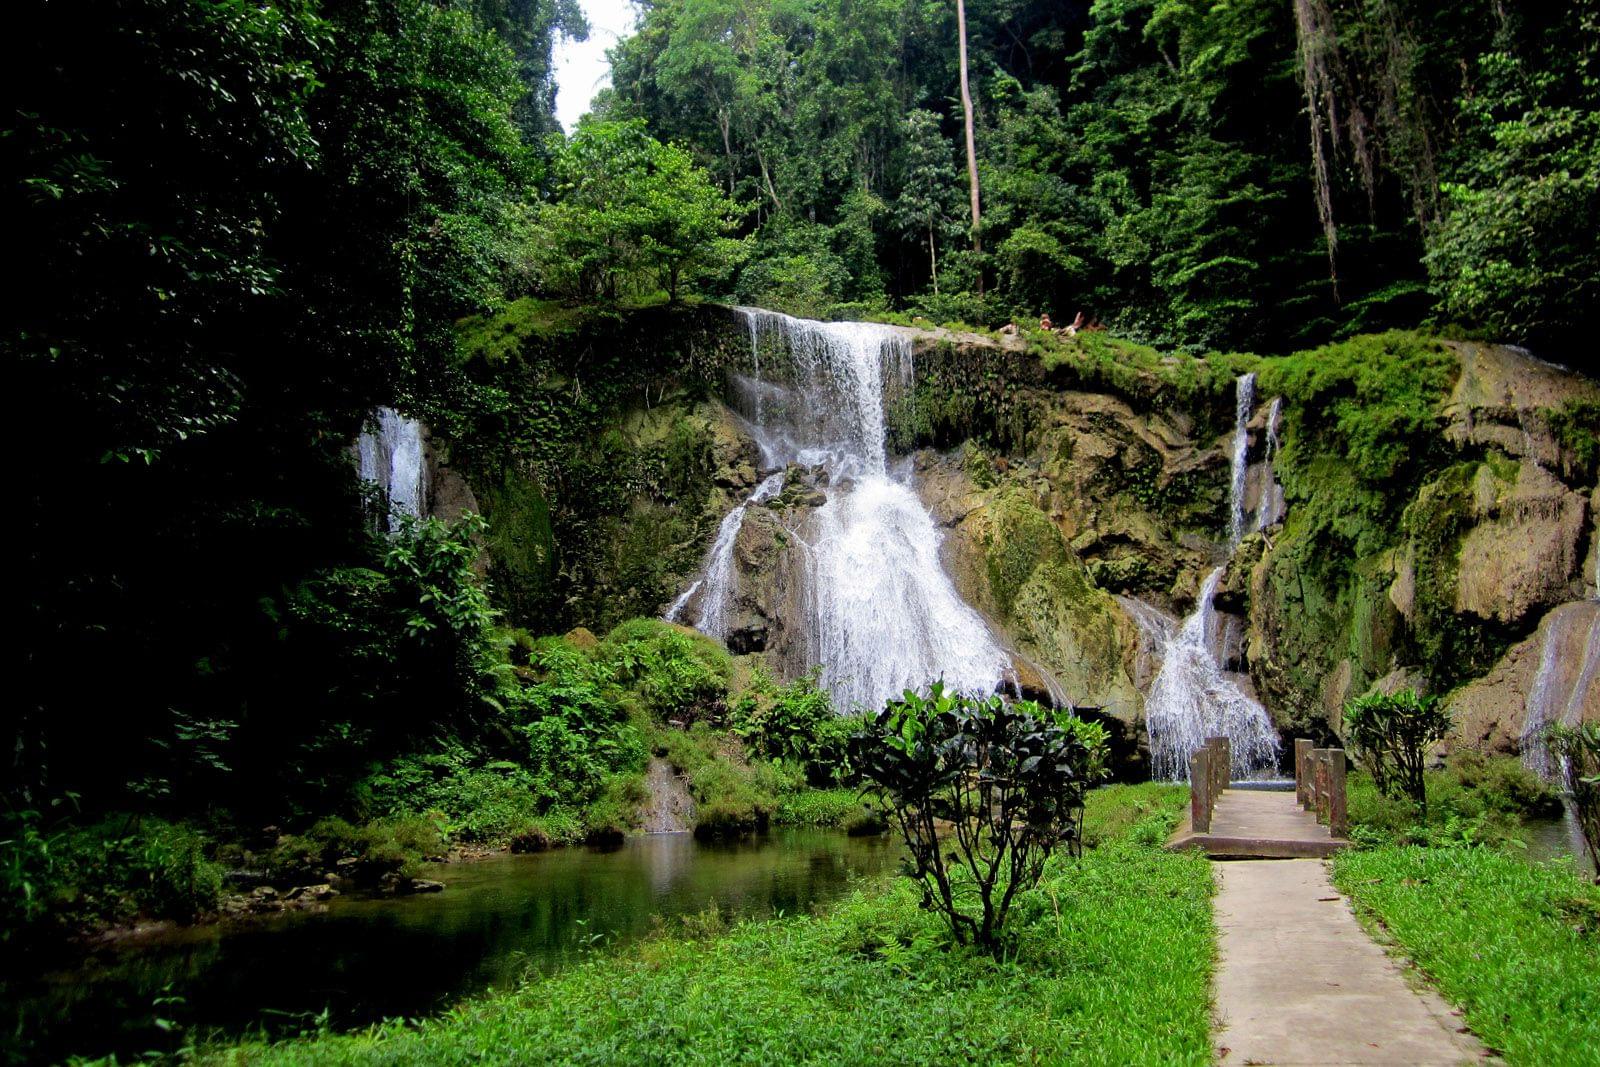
(581, 67)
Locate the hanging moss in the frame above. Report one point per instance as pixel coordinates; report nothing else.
(1451, 647)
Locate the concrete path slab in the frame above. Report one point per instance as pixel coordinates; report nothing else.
(1259, 823)
(1300, 982)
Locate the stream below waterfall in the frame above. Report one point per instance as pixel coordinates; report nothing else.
(363, 960)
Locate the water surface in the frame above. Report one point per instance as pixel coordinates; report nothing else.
(364, 960)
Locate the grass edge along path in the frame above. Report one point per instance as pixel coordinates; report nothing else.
(1515, 945)
(1112, 965)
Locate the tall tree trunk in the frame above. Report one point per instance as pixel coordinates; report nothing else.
(972, 151)
(933, 262)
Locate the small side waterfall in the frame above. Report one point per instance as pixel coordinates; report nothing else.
(1192, 697)
(1562, 685)
(389, 456)
(881, 615)
(1272, 505)
(716, 582)
(1244, 397)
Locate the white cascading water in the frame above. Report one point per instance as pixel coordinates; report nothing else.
(1192, 698)
(1272, 505)
(882, 615)
(1551, 699)
(389, 456)
(716, 582)
(1244, 397)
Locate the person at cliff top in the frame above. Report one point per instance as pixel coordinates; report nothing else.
(1044, 321)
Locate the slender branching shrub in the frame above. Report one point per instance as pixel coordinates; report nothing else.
(1577, 750)
(1391, 735)
(982, 791)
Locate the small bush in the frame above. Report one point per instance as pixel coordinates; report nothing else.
(1577, 748)
(1008, 782)
(1392, 735)
(795, 722)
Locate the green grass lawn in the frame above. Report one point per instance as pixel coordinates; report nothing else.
(1516, 945)
(1111, 966)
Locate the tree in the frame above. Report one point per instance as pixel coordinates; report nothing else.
(972, 150)
(686, 218)
(1008, 782)
(922, 208)
(626, 207)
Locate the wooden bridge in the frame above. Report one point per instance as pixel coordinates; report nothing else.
(1238, 823)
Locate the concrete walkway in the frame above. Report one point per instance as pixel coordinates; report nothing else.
(1300, 982)
(1259, 824)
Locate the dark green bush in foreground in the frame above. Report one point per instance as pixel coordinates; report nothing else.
(982, 791)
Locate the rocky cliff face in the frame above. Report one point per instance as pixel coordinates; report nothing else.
(1416, 513)
(1074, 497)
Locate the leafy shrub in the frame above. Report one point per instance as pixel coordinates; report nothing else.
(394, 846)
(1472, 800)
(28, 866)
(616, 810)
(673, 672)
(795, 722)
(1392, 735)
(112, 871)
(1578, 750)
(732, 796)
(1008, 781)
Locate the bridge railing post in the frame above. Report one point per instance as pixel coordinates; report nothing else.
(1302, 771)
(1338, 810)
(1200, 790)
(1222, 761)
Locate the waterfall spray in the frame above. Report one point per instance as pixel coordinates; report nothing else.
(1191, 697)
(881, 615)
(390, 457)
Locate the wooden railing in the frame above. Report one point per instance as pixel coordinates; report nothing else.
(1319, 784)
(1209, 772)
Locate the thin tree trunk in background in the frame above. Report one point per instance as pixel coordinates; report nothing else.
(933, 262)
(972, 151)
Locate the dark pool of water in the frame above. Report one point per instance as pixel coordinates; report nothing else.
(364, 960)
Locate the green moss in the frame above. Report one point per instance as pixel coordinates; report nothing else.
(1577, 428)
(1022, 539)
(1450, 647)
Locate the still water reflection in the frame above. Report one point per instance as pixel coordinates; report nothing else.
(363, 960)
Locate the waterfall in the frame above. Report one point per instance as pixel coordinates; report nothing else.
(1244, 395)
(1192, 698)
(717, 578)
(881, 614)
(1549, 699)
(1272, 505)
(390, 457)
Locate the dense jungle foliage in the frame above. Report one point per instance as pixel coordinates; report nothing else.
(1254, 175)
(247, 223)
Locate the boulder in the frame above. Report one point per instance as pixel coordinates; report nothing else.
(1524, 554)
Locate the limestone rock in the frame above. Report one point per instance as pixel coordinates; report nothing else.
(1555, 671)
(1524, 554)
